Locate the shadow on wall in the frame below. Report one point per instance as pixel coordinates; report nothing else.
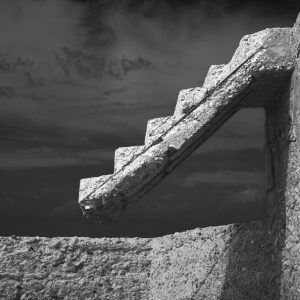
(255, 254)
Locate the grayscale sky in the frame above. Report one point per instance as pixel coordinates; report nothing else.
(80, 78)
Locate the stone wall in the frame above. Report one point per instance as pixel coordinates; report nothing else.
(258, 260)
(74, 268)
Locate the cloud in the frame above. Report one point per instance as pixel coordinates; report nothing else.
(7, 91)
(224, 178)
(45, 157)
(66, 209)
(117, 90)
(245, 131)
(8, 204)
(77, 65)
(34, 28)
(221, 144)
(247, 195)
(164, 202)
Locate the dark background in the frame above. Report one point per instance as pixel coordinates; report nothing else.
(80, 78)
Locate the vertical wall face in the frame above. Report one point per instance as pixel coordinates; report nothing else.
(264, 259)
(290, 278)
(74, 268)
(259, 260)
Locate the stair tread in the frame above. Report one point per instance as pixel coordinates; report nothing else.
(87, 185)
(125, 154)
(187, 98)
(156, 127)
(215, 74)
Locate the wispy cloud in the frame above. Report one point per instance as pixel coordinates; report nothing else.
(247, 195)
(77, 65)
(45, 157)
(67, 209)
(34, 28)
(225, 178)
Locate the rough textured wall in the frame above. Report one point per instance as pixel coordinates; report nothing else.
(259, 260)
(179, 266)
(74, 268)
(289, 195)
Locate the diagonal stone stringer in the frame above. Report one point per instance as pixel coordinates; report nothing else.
(255, 75)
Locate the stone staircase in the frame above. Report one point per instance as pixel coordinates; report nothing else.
(257, 71)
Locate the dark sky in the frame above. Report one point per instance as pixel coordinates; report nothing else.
(80, 78)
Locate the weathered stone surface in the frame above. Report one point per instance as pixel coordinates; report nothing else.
(172, 267)
(258, 260)
(156, 127)
(74, 268)
(87, 183)
(124, 155)
(187, 99)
